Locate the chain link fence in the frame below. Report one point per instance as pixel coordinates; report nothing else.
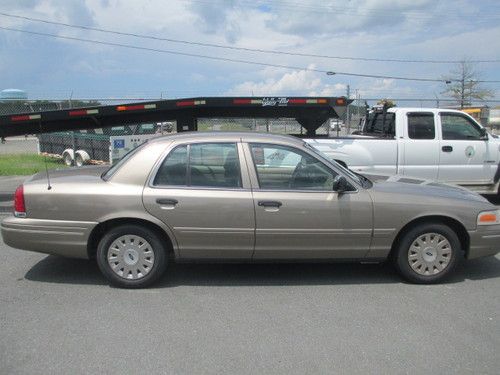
(25, 155)
(32, 153)
(268, 125)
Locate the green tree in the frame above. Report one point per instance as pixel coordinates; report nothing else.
(463, 85)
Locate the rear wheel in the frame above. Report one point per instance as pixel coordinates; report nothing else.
(427, 253)
(131, 256)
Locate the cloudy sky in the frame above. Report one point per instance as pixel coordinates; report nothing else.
(48, 67)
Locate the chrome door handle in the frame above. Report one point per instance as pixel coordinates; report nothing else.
(167, 201)
(276, 204)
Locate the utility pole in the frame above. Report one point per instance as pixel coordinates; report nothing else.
(73, 136)
(462, 94)
(348, 114)
(358, 102)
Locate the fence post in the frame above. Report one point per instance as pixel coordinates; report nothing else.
(73, 137)
(348, 114)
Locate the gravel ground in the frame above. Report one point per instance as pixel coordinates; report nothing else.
(59, 316)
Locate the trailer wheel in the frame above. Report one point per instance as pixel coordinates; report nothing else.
(81, 158)
(67, 156)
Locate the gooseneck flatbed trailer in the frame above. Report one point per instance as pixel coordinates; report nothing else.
(309, 112)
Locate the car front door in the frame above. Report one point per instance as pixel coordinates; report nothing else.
(298, 214)
(199, 191)
(465, 156)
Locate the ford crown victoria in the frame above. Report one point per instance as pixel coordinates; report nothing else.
(246, 197)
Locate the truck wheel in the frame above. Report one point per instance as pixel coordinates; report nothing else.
(427, 253)
(131, 256)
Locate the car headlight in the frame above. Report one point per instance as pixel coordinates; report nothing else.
(488, 217)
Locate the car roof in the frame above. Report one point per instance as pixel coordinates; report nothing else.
(228, 136)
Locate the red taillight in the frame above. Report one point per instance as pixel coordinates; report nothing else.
(19, 206)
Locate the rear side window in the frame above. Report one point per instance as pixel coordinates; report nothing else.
(203, 165)
(421, 126)
(173, 171)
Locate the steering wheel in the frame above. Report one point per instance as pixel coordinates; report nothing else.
(296, 173)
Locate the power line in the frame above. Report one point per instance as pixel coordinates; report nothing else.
(327, 8)
(220, 58)
(234, 60)
(143, 36)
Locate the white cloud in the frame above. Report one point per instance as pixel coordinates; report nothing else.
(327, 17)
(387, 88)
(420, 29)
(297, 82)
(308, 83)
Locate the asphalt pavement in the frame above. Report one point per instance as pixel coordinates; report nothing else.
(59, 316)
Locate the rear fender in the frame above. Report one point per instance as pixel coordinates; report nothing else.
(145, 216)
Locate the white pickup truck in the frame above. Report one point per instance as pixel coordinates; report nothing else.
(437, 144)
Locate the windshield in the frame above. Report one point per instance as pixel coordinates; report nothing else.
(356, 177)
(107, 175)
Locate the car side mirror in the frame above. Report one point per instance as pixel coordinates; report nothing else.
(484, 134)
(340, 184)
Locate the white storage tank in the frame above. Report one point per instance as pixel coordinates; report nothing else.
(13, 94)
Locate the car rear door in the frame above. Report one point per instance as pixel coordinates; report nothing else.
(298, 215)
(198, 190)
(420, 146)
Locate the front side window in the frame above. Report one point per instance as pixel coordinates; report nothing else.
(286, 168)
(457, 127)
(421, 126)
(203, 165)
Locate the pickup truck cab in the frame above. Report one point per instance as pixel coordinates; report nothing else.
(437, 144)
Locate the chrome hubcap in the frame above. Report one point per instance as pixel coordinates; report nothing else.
(131, 257)
(429, 254)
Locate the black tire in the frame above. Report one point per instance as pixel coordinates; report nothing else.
(401, 256)
(156, 246)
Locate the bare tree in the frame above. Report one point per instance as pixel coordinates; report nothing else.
(463, 84)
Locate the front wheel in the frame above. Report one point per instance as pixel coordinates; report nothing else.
(427, 253)
(131, 256)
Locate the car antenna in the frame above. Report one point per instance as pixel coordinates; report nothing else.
(45, 159)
